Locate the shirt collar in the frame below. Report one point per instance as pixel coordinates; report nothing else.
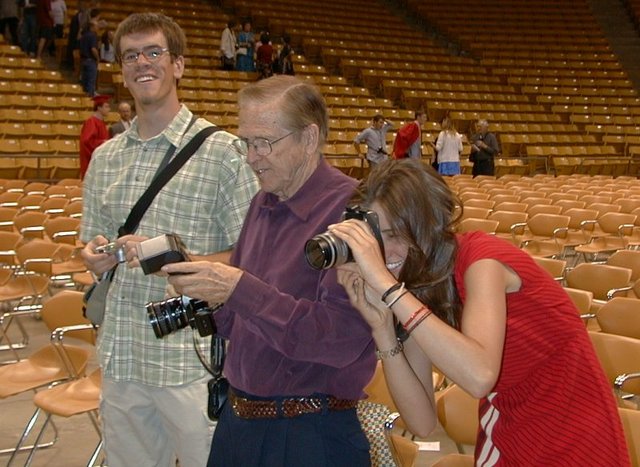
(173, 132)
(301, 203)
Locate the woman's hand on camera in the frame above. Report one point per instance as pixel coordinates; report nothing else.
(204, 280)
(366, 253)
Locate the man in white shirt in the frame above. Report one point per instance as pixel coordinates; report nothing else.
(228, 46)
(375, 137)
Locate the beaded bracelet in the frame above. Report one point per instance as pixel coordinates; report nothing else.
(413, 316)
(382, 354)
(424, 316)
(390, 290)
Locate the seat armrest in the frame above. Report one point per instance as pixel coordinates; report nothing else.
(58, 333)
(613, 292)
(625, 229)
(618, 383)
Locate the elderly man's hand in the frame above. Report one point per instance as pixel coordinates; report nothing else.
(205, 280)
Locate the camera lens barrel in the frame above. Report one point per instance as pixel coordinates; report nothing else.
(325, 251)
(173, 314)
(167, 316)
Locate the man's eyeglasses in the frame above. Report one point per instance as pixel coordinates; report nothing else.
(262, 146)
(152, 53)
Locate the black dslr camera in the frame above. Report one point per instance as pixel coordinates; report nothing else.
(175, 313)
(325, 250)
(172, 314)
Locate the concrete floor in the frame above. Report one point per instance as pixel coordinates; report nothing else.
(76, 435)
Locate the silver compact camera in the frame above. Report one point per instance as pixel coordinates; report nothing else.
(112, 249)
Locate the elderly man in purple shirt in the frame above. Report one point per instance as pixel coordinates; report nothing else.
(299, 355)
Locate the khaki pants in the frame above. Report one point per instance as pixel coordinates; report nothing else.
(151, 426)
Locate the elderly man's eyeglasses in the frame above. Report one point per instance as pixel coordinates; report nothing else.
(262, 146)
(152, 53)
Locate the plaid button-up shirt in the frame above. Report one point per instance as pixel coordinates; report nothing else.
(204, 203)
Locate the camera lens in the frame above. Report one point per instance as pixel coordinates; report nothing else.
(325, 251)
(167, 316)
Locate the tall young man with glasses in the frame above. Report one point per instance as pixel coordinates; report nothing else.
(299, 355)
(154, 391)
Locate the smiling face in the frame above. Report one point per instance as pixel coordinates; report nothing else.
(292, 160)
(395, 248)
(151, 83)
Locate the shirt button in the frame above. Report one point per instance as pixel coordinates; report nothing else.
(138, 178)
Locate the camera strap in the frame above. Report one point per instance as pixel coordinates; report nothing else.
(163, 176)
(217, 355)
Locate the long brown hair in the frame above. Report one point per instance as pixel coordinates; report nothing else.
(420, 208)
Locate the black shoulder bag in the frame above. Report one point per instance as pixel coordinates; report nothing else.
(95, 298)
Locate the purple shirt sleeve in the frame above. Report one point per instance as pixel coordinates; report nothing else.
(291, 329)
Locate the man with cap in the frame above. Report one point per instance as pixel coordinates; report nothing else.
(94, 131)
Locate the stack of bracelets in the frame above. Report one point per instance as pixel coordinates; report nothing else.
(390, 297)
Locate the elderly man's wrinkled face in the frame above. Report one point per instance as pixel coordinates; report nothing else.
(282, 159)
(124, 110)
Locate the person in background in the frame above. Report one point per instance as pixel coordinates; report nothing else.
(264, 56)
(44, 16)
(484, 147)
(59, 14)
(94, 131)
(89, 58)
(448, 149)
(154, 392)
(28, 27)
(285, 58)
(244, 58)
(375, 138)
(483, 312)
(408, 142)
(299, 356)
(107, 53)
(124, 110)
(75, 30)
(228, 46)
(9, 21)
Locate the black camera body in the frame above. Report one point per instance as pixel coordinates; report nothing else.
(325, 250)
(172, 314)
(381, 151)
(175, 313)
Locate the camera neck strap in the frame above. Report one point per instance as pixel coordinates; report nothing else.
(163, 176)
(215, 365)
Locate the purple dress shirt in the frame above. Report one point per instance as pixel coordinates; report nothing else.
(291, 328)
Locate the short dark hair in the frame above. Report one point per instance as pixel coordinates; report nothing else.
(418, 113)
(151, 22)
(378, 117)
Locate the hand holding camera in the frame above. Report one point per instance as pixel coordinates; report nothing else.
(98, 257)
